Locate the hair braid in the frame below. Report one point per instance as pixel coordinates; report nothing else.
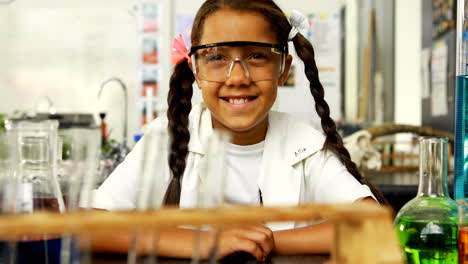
(333, 141)
(180, 104)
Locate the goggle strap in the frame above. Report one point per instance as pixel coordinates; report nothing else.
(283, 63)
(194, 65)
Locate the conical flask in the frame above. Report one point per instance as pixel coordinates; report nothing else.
(427, 225)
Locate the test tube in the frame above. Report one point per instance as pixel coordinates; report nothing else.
(211, 188)
(153, 176)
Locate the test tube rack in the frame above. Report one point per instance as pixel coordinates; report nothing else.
(364, 233)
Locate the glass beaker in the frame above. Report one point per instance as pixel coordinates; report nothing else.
(426, 226)
(37, 188)
(6, 175)
(78, 165)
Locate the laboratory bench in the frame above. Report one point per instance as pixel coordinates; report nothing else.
(400, 187)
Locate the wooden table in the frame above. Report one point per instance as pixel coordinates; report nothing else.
(299, 259)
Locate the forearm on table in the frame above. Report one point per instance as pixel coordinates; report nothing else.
(179, 242)
(306, 240)
(173, 242)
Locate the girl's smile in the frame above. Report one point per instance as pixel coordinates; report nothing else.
(239, 102)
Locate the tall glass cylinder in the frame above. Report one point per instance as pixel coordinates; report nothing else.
(461, 104)
(77, 178)
(152, 178)
(427, 226)
(7, 194)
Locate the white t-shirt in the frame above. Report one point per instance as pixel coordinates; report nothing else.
(243, 169)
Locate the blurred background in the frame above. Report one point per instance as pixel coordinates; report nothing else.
(57, 54)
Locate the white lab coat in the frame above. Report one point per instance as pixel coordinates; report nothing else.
(294, 170)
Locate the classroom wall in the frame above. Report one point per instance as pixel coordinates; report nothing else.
(66, 49)
(407, 62)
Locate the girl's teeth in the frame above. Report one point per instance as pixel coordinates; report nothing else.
(238, 101)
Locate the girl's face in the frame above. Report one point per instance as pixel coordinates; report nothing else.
(245, 119)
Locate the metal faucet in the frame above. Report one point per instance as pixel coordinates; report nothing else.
(50, 105)
(123, 147)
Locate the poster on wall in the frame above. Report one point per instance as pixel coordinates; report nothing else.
(325, 35)
(439, 70)
(294, 97)
(443, 17)
(150, 41)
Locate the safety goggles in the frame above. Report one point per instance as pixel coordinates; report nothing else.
(215, 62)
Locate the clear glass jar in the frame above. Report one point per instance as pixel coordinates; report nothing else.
(36, 188)
(427, 226)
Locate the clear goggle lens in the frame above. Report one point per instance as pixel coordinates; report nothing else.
(217, 63)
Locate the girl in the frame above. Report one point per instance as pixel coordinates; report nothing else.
(238, 58)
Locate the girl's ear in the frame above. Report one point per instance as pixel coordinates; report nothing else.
(287, 67)
(189, 61)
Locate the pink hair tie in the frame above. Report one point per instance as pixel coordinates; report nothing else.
(179, 50)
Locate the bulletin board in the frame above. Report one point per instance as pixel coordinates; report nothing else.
(150, 40)
(438, 64)
(325, 32)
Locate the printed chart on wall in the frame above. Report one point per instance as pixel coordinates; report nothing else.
(150, 77)
(325, 35)
(443, 17)
(439, 64)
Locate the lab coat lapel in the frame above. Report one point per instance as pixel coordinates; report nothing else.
(200, 130)
(281, 178)
(287, 143)
(278, 182)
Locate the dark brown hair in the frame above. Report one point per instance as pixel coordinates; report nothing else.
(180, 92)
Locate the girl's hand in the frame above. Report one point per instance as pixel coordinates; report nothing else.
(255, 239)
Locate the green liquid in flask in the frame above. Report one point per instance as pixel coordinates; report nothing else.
(427, 242)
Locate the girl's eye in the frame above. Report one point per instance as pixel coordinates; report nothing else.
(258, 56)
(215, 57)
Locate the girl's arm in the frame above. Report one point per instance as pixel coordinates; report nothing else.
(179, 242)
(307, 240)
(255, 239)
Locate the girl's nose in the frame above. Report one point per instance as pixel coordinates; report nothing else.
(238, 74)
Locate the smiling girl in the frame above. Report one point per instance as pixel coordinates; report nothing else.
(239, 58)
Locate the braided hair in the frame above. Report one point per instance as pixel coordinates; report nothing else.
(333, 141)
(180, 103)
(180, 92)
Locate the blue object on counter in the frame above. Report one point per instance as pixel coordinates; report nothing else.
(137, 137)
